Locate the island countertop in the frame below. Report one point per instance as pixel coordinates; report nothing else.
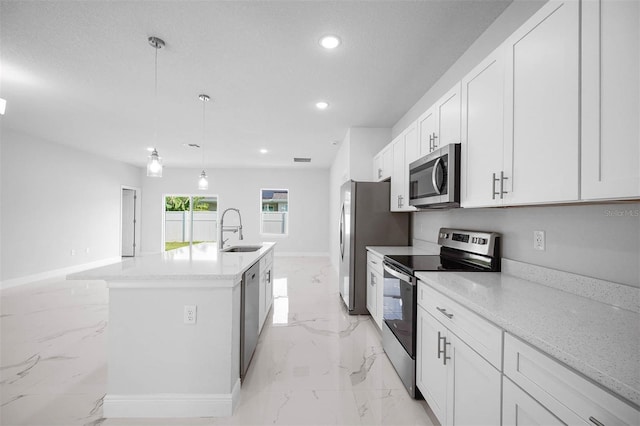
(198, 262)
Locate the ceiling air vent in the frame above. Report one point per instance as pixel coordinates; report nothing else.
(301, 160)
(191, 145)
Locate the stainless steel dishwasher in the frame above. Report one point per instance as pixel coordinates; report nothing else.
(249, 301)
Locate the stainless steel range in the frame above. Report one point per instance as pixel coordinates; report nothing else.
(460, 251)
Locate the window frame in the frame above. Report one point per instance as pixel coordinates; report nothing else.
(286, 213)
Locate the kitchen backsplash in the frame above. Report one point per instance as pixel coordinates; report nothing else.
(600, 240)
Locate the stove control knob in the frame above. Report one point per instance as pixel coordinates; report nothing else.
(482, 241)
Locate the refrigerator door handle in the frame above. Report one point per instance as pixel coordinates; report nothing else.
(342, 233)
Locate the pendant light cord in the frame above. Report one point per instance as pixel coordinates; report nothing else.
(204, 106)
(155, 94)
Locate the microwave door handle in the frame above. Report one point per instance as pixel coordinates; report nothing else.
(433, 175)
(399, 275)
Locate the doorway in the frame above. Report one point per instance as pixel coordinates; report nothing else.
(128, 222)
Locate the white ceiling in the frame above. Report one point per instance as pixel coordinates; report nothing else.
(81, 73)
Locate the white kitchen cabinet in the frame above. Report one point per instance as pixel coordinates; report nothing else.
(375, 284)
(541, 155)
(610, 99)
(519, 409)
(383, 164)
(265, 295)
(440, 124)
(569, 396)
(459, 384)
(405, 150)
(483, 131)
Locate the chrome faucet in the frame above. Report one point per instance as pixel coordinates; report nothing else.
(233, 229)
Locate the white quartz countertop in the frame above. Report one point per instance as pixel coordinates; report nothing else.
(199, 262)
(600, 341)
(400, 250)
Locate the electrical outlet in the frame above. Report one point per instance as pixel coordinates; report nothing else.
(538, 240)
(190, 314)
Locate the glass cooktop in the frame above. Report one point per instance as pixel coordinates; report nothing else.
(417, 263)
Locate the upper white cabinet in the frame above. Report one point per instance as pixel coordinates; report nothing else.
(483, 131)
(383, 164)
(440, 124)
(405, 150)
(521, 115)
(541, 153)
(610, 99)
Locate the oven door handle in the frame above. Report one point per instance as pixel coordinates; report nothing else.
(399, 275)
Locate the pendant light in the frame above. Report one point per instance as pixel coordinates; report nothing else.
(203, 183)
(154, 162)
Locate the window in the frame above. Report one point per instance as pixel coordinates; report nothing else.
(274, 211)
(184, 225)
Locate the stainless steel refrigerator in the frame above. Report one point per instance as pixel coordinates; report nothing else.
(365, 220)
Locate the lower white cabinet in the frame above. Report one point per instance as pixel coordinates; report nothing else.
(519, 409)
(375, 283)
(569, 396)
(266, 288)
(460, 386)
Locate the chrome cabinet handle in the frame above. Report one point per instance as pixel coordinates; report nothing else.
(431, 142)
(595, 421)
(434, 141)
(494, 193)
(400, 197)
(444, 312)
(444, 352)
(373, 279)
(502, 179)
(269, 276)
(379, 173)
(440, 351)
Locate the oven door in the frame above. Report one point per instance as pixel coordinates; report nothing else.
(399, 307)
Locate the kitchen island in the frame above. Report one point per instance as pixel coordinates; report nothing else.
(159, 363)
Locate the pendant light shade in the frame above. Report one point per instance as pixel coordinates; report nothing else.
(154, 165)
(154, 162)
(203, 183)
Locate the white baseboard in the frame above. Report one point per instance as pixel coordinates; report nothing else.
(54, 273)
(301, 254)
(171, 405)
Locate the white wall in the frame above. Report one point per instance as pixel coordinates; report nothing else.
(600, 241)
(240, 188)
(55, 199)
(354, 160)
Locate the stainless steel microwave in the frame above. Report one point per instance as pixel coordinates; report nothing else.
(434, 180)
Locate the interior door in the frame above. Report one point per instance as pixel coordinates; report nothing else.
(128, 222)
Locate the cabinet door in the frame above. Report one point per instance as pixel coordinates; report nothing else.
(398, 180)
(518, 408)
(483, 131)
(449, 108)
(262, 295)
(377, 167)
(372, 293)
(268, 301)
(610, 99)
(427, 131)
(476, 387)
(431, 372)
(387, 162)
(541, 152)
(379, 298)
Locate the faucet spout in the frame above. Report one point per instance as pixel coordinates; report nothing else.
(233, 229)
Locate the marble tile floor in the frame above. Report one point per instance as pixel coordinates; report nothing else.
(314, 363)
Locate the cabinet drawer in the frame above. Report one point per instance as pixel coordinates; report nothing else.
(568, 395)
(375, 263)
(266, 261)
(481, 335)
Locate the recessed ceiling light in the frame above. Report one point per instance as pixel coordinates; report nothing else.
(330, 42)
(150, 149)
(322, 105)
(263, 151)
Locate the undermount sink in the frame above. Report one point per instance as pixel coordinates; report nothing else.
(241, 249)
